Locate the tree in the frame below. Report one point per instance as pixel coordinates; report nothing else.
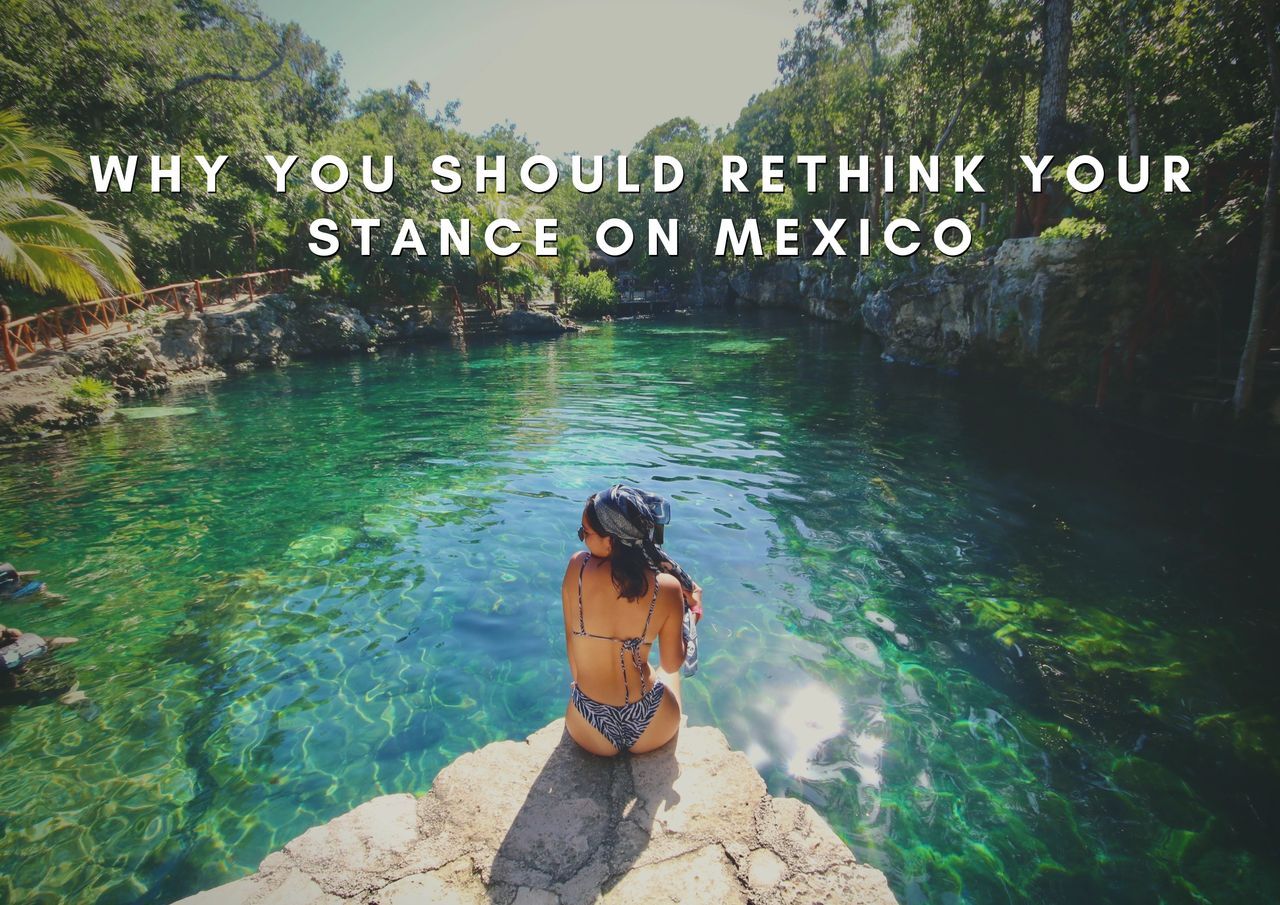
(572, 256)
(492, 271)
(1262, 283)
(1051, 117)
(45, 243)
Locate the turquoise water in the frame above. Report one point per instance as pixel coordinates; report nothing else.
(1010, 656)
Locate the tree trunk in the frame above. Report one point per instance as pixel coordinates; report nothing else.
(942, 142)
(1052, 113)
(1134, 147)
(1249, 357)
(1130, 94)
(281, 53)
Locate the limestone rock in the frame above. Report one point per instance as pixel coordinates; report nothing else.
(326, 326)
(816, 289)
(407, 323)
(253, 333)
(533, 322)
(769, 285)
(927, 319)
(541, 821)
(1044, 307)
(226, 338)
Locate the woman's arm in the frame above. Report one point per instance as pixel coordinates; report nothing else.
(670, 637)
(569, 599)
(691, 598)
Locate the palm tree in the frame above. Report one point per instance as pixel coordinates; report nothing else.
(491, 269)
(573, 256)
(46, 243)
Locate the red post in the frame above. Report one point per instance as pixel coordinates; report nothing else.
(10, 359)
(250, 290)
(199, 297)
(62, 334)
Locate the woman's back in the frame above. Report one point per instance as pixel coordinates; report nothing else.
(610, 633)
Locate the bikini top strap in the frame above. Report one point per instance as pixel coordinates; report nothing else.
(582, 626)
(652, 603)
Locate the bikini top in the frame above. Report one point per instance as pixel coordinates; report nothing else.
(628, 644)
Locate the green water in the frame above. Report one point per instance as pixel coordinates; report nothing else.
(1009, 656)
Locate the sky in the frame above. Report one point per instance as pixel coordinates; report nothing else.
(573, 75)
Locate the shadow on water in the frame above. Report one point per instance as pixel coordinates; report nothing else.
(585, 817)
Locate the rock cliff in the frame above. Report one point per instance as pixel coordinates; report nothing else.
(1045, 308)
(808, 287)
(175, 349)
(541, 821)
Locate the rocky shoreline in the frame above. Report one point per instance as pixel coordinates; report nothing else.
(56, 390)
(542, 821)
(1040, 309)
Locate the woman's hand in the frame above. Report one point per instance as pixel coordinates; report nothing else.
(694, 601)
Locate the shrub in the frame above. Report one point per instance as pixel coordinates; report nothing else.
(331, 279)
(591, 295)
(88, 395)
(1075, 228)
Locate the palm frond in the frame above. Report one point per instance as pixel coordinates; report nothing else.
(46, 243)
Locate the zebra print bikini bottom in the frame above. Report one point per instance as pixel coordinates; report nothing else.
(624, 725)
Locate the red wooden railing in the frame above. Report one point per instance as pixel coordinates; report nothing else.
(61, 324)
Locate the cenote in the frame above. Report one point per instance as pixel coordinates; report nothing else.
(1010, 655)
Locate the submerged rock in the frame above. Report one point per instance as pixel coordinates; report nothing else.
(146, 413)
(543, 821)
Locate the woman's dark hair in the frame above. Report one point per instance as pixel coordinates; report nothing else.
(628, 565)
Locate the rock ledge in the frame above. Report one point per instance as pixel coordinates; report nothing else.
(540, 821)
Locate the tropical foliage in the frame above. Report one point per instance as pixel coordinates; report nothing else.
(1000, 78)
(45, 243)
(591, 295)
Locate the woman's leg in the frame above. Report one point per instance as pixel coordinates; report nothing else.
(664, 725)
(586, 735)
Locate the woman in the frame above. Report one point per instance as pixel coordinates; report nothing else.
(620, 596)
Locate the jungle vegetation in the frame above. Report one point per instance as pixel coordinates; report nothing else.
(993, 77)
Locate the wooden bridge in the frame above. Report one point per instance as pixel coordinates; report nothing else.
(26, 335)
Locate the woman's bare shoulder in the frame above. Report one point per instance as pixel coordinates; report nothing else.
(666, 580)
(669, 589)
(572, 565)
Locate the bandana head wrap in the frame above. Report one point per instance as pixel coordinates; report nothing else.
(629, 515)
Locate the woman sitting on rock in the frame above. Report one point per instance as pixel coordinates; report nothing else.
(620, 596)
